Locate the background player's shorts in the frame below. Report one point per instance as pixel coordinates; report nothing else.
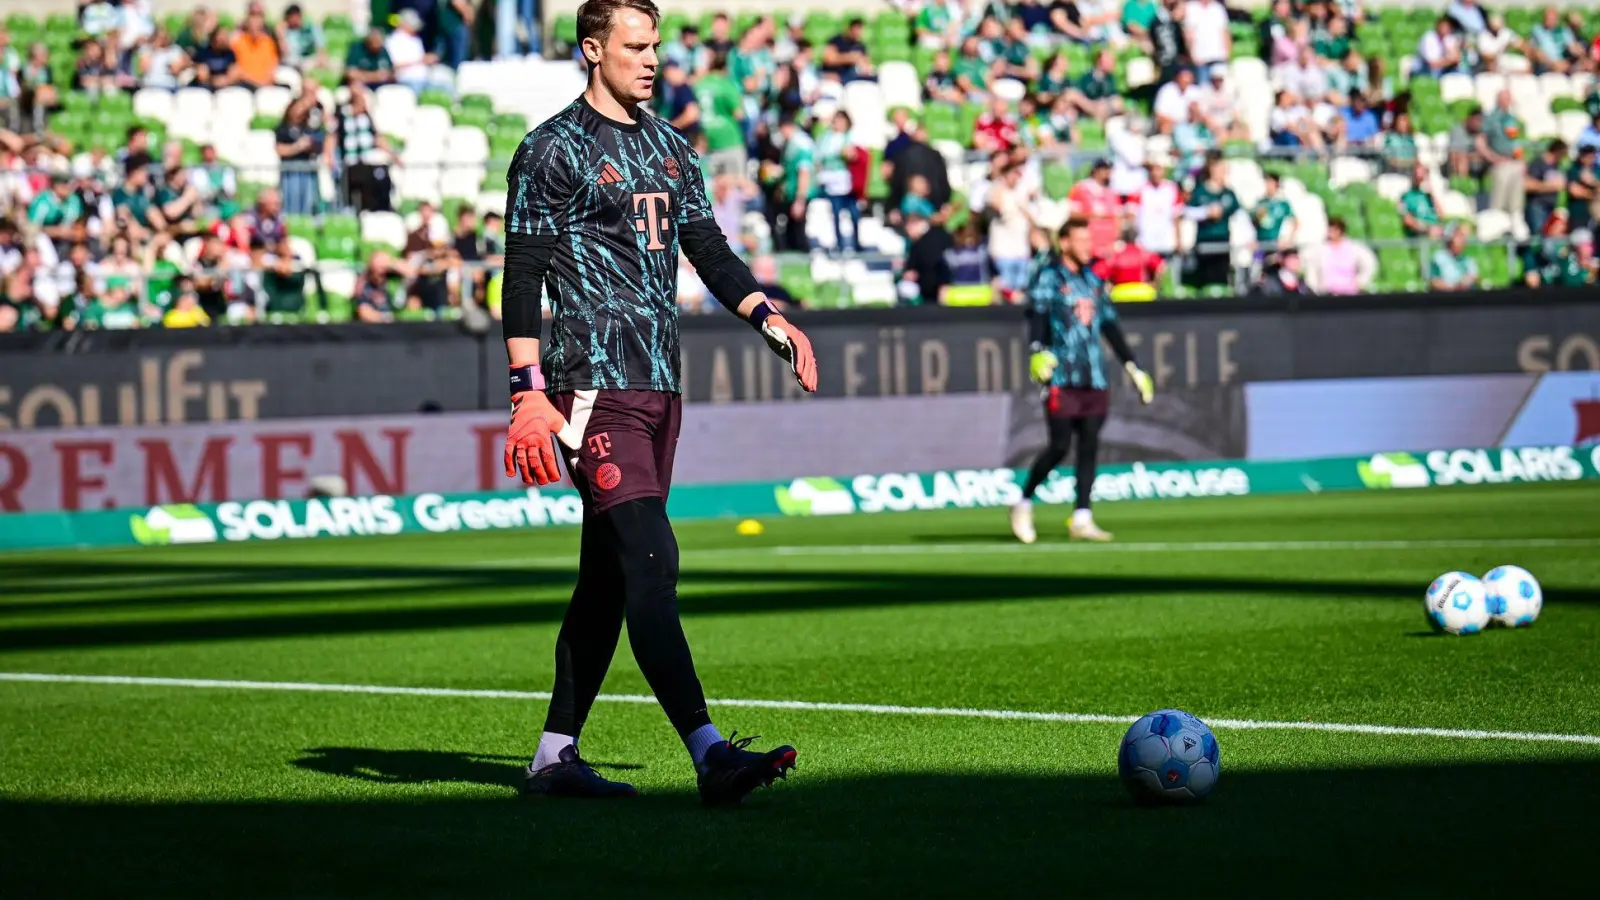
(1077, 403)
(629, 441)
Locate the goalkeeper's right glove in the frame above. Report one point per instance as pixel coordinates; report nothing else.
(533, 422)
(1141, 381)
(1042, 366)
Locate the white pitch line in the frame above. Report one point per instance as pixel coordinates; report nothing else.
(1182, 546)
(801, 705)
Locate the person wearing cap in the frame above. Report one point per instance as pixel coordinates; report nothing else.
(407, 53)
(1283, 274)
(1450, 269)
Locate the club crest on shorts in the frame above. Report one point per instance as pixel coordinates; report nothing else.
(671, 165)
(607, 476)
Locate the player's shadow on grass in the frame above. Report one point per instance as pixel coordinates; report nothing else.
(1459, 831)
(423, 766)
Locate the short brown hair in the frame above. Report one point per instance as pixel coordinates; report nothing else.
(1071, 225)
(596, 17)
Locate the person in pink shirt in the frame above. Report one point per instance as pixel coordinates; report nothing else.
(1094, 200)
(1341, 262)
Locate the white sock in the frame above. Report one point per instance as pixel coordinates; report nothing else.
(1025, 503)
(700, 740)
(550, 747)
(1082, 517)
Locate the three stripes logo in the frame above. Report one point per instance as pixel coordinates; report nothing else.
(609, 175)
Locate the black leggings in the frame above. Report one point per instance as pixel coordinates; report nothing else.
(627, 568)
(1061, 432)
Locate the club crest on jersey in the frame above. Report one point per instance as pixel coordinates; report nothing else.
(650, 217)
(671, 166)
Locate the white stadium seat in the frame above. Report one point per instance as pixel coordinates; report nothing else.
(1493, 224)
(304, 251)
(392, 108)
(1570, 124)
(461, 181)
(491, 201)
(1456, 205)
(1347, 170)
(258, 159)
(1555, 84)
(1455, 86)
(901, 86)
(272, 101)
(1392, 187)
(288, 77)
(153, 103)
(339, 282)
(233, 106)
(383, 228)
(1141, 71)
(1515, 64)
(466, 145)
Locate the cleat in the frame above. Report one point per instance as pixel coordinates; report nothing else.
(572, 777)
(730, 772)
(1022, 522)
(1087, 531)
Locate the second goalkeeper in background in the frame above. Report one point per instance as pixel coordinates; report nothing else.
(1069, 311)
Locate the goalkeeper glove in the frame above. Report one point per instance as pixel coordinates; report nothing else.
(1142, 381)
(1042, 366)
(533, 422)
(789, 343)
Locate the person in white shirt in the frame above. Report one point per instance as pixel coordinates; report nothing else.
(1010, 229)
(411, 59)
(1175, 97)
(1128, 157)
(1219, 107)
(1494, 41)
(1159, 209)
(1304, 77)
(1439, 51)
(1205, 25)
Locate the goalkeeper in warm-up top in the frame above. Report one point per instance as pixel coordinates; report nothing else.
(601, 198)
(1069, 311)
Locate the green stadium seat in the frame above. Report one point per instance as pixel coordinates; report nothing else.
(476, 101)
(441, 99)
(1058, 181)
(340, 238)
(474, 116)
(566, 29)
(508, 123)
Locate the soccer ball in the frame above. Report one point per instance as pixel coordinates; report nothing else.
(1456, 603)
(1169, 756)
(1513, 595)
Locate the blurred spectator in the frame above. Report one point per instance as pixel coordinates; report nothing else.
(412, 63)
(764, 269)
(431, 259)
(996, 130)
(111, 311)
(1343, 268)
(1219, 108)
(1553, 260)
(1290, 123)
(179, 202)
(300, 143)
(455, 21)
(1590, 136)
(266, 226)
(833, 177)
(1138, 17)
(94, 75)
(197, 31)
(1450, 269)
(692, 294)
(688, 52)
(1096, 94)
(1360, 123)
(1545, 182)
(361, 154)
(1465, 145)
(1127, 263)
(1419, 209)
(38, 85)
(927, 265)
(1207, 35)
(1010, 227)
(1440, 50)
(970, 72)
(368, 62)
(1177, 97)
(1093, 200)
(162, 63)
(1168, 40)
(54, 211)
(1583, 189)
(1012, 56)
(940, 85)
(799, 172)
(938, 23)
(1468, 16)
(1283, 274)
(1275, 223)
(1400, 145)
(1211, 205)
(1158, 210)
(675, 100)
(215, 180)
(917, 200)
(256, 51)
(1501, 145)
(846, 55)
(469, 249)
(1056, 78)
(216, 65)
(300, 40)
(185, 311)
(1493, 43)
(1303, 76)
(718, 41)
(1552, 46)
(135, 151)
(372, 303)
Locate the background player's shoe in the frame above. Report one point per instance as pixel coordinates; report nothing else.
(1022, 521)
(1083, 528)
(572, 777)
(729, 772)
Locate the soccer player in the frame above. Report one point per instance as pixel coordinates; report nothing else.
(601, 198)
(1069, 312)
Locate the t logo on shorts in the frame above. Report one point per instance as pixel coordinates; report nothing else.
(650, 217)
(600, 445)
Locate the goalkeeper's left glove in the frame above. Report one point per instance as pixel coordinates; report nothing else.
(1141, 381)
(1042, 366)
(788, 342)
(533, 422)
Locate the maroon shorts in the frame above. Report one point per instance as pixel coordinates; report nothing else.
(629, 441)
(1077, 403)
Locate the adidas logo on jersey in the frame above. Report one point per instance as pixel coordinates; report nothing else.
(609, 175)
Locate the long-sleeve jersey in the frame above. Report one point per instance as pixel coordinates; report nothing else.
(1070, 309)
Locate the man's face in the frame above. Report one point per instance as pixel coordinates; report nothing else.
(1551, 17)
(294, 19)
(79, 255)
(626, 62)
(374, 40)
(1102, 175)
(1078, 245)
(690, 39)
(270, 202)
(1185, 79)
(467, 223)
(1458, 241)
(1106, 62)
(1271, 186)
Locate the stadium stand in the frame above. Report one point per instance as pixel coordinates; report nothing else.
(297, 170)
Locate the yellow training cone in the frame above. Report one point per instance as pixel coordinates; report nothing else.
(750, 527)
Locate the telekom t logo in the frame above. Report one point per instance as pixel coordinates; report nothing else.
(600, 444)
(650, 217)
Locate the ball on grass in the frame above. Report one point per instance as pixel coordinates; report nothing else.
(750, 528)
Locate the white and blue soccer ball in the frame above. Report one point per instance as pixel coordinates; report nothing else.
(1169, 756)
(1457, 604)
(1513, 595)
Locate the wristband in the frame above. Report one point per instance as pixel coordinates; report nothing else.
(526, 378)
(760, 313)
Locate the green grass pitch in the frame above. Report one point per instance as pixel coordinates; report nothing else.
(1288, 610)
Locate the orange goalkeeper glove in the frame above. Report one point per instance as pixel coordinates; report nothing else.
(788, 342)
(534, 421)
